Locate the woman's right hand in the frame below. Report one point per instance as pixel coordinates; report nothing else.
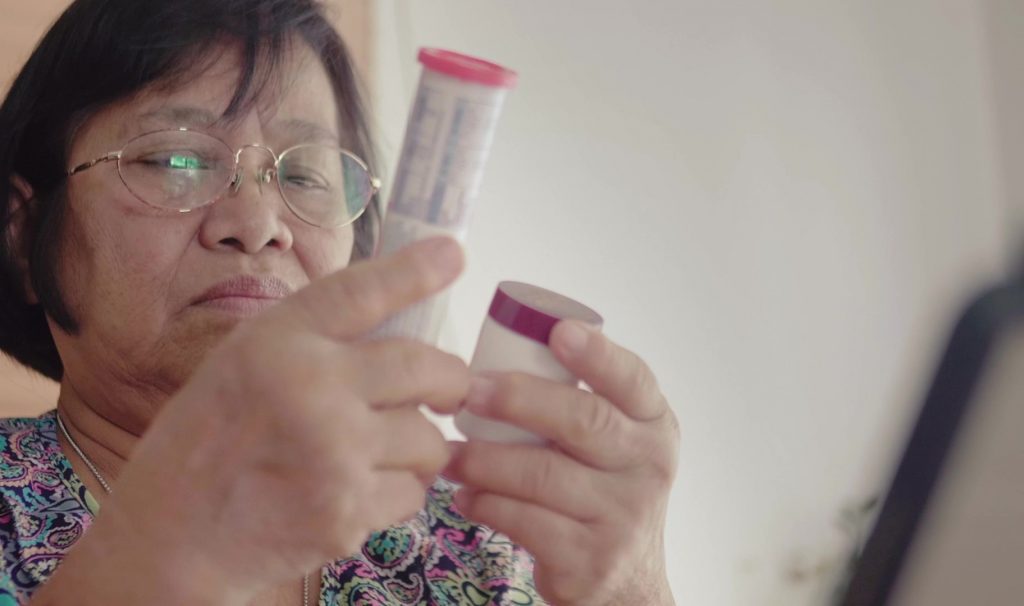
(296, 437)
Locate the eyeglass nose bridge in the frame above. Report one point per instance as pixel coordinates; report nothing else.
(264, 175)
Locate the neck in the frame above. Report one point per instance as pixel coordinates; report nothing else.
(105, 438)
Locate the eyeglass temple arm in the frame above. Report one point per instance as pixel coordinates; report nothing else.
(86, 166)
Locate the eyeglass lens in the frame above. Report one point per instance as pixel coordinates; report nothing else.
(183, 170)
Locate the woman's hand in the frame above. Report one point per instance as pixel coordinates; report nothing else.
(590, 506)
(295, 437)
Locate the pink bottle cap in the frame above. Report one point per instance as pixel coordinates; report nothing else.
(467, 68)
(532, 311)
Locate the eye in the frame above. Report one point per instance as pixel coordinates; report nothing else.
(191, 162)
(175, 160)
(305, 178)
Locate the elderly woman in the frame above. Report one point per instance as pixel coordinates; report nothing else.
(187, 210)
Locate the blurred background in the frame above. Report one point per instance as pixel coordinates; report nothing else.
(780, 205)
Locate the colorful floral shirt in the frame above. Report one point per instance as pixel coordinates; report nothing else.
(438, 558)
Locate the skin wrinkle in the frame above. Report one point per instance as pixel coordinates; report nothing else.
(116, 444)
(128, 271)
(127, 348)
(73, 234)
(75, 229)
(273, 87)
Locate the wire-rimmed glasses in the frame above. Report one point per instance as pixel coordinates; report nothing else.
(182, 170)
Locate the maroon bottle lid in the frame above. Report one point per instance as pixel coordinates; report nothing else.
(532, 311)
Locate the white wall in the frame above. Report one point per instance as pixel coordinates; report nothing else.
(779, 204)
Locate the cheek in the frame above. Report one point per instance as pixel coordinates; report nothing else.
(117, 261)
(324, 251)
(113, 224)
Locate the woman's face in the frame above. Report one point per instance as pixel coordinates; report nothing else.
(154, 290)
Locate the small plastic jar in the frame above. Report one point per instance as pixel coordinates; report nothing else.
(514, 338)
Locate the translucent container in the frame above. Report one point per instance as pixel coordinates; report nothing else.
(514, 338)
(447, 140)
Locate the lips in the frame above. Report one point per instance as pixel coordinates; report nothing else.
(245, 294)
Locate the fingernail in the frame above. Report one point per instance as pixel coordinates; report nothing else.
(450, 471)
(446, 254)
(481, 389)
(461, 501)
(573, 338)
(454, 448)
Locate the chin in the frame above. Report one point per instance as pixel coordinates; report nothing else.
(190, 345)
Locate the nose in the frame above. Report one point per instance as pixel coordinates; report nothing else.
(263, 176)
(251, 218)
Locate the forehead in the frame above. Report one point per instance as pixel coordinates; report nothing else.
(295, 103)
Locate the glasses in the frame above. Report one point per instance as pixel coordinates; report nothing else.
(182, 170)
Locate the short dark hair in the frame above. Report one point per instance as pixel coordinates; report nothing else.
(103, 51)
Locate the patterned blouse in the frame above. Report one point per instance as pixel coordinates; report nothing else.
(438, 558)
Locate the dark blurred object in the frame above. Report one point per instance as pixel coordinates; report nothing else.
(951, 529)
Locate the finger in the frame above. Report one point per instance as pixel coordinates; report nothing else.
(583, 424)
(350, 303)
(534, 474)
(400, 372)
(609, 369)
(377, 500)
(398, 497)
(409, 442)
(553, 539)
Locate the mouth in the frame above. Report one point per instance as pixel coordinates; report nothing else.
(244, 295)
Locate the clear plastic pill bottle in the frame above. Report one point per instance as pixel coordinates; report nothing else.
(447, 140)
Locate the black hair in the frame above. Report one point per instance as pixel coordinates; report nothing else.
(103, 51)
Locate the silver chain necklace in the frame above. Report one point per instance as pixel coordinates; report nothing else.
(106, 487)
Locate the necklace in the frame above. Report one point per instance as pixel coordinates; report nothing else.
(106, 487)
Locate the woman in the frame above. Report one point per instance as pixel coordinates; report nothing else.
(179, 214)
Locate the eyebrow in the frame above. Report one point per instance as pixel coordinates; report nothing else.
(307, 132)
(182, 116)
(301, 131)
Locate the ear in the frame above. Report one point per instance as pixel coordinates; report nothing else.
(20, 197)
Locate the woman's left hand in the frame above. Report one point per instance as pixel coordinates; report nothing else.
(590, 506)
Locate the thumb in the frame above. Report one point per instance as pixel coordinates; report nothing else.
(351, 302)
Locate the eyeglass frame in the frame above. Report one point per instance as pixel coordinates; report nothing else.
(262, 176)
